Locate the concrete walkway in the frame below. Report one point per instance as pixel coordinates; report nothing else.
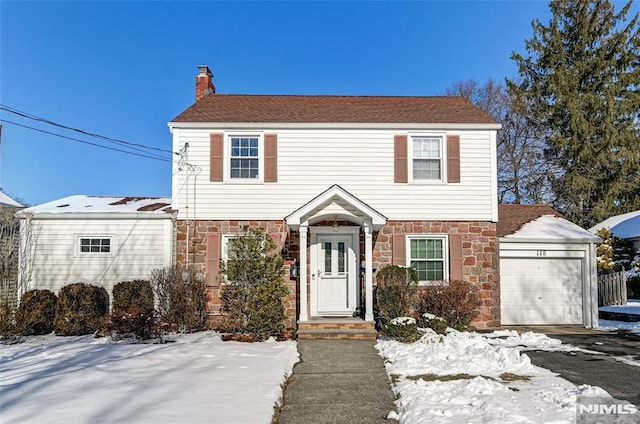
(337, 381)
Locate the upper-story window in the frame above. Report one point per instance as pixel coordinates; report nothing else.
(244, 158)
(426, 158)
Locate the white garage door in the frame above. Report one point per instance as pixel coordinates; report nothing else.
(537, 291)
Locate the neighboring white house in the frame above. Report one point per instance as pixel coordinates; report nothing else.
(625, 226)
(8, 202)
(96, 240)
(345, 185)
(548, 269)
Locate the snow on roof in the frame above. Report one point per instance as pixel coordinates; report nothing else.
(553, 228)
(6, 201)
(625, 226)
(103, 204)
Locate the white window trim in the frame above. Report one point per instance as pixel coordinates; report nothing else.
(225, 251)
(227, 158)
(443, 157)
(445, 253)
(77, 247)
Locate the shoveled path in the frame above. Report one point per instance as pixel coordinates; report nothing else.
(337, 381)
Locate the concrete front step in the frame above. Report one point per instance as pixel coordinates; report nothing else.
(354, 329)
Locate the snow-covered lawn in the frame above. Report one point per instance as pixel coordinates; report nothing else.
(196, 379)
(468, 377)
(632, 307)
(459, 378)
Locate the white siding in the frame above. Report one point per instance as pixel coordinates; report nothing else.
(138, 246)
(359, 160)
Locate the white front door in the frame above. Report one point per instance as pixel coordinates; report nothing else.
(335, 274)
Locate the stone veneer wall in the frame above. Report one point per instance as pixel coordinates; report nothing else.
(199, 230)
(479, 249)
(480, 257)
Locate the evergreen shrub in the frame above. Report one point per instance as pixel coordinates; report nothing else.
(36, 313)
(80, 309)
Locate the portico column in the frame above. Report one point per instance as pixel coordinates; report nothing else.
(368, 273)
(302, 271)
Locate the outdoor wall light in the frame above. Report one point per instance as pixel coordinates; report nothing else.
(293, 270)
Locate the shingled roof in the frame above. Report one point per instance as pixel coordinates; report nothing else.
(512, 217)
(333, 109)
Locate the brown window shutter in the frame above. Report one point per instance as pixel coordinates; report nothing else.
(216, 158)
(455, 257)
(401, 170)
(399, 249)
(270, 158)
(213, 259)
(453, 158)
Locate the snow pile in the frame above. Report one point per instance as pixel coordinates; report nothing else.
(456, 353)
(196, 379)
(632, 307)
(489, 381)
(608, 325)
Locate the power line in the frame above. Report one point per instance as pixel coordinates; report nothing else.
(87, 142)
(109, 139)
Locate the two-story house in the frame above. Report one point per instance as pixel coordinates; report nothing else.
(345, 185)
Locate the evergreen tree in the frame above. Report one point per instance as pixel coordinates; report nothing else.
(581, 79)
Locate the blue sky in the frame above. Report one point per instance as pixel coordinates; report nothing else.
(124, 69)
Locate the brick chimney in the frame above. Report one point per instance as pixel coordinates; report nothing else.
(204, 82)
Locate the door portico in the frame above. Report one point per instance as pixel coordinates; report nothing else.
(335, 293)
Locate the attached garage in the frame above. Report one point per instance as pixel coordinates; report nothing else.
(547, 268)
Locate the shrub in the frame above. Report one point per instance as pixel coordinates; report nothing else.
(136, 293)
(133, 321)
(633, 287)
(181, 297)
(252, 297)
(433, 322)
(80, 309)
(7, 324)
(36, 312)
(132, 310)
(402, 329)
(396, 291)
(456, 302)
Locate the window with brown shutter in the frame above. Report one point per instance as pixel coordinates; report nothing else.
(213, 259)
(401, 170)
(216, 158)
(270, 158)
(453, 158)
(399, 250)
(455, 257)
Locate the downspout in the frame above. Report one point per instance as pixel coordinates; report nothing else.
(186, 160)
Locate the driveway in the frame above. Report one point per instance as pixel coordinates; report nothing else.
(620, 379)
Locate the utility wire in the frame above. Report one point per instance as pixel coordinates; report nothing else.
(109, 139)
(88, 142)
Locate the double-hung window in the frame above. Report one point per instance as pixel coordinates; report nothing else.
(428, 256)
(427, 158)
(244, 158)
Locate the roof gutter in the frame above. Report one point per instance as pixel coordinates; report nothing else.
(98, 215)
(332, 125)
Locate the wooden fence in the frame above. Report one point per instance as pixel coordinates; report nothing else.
(612, 289)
